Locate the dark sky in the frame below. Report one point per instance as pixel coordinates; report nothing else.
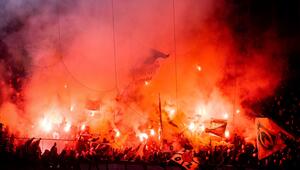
(249, 20)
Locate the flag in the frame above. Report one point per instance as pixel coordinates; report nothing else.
(186, 159)
(218, 127)
(154, 55)
(270, 137)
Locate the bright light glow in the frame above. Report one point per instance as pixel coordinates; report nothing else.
(82, 127)
(201, 111)
(199, 68)
(67, 127)
(118, 134)
(172, 113)
(147, 83)
(143, 136)
(71, 108)
(46, 125)
(55, 135)
(237, 111)
(152, 132)
(65, 86)
(226, 116)
(192, 126)
(92, 114)
(202, 128)
(227, 134)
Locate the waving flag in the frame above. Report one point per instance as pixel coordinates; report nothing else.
(218, 127)
(186, 159)
(270, 137)
(154, 55)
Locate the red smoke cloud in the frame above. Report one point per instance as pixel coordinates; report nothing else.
(75, 58)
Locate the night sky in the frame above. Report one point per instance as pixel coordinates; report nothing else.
(249, 20)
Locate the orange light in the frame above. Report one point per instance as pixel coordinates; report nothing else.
(152, 132)
(227, 134)
(199, 68)
(92, 114)
(172, 113)
(202, 128)
(46, 125)
(72, 108)
(118, 134)
(67, 127)
(237, 111)
(201, 111)
(147, 83)
(225, 116)
(192, 126)
(55, 135)
(82, 127)
(143, 136)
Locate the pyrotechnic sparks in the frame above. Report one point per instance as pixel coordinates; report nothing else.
(143, 137)
(191, 127)
(172, 113)
(55, 135)
(46, 125)
(202, 128)
(199, 68)
(170, 110)
(152, 132)
(225, 116)
(146, 83)
(117, 133)
(72, 108)
(227, 134)
(201, 111)
(67, 127)
(92, 113)
(91, 77)
(82, 127)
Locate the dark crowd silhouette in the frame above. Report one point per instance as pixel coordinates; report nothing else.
(92, 152)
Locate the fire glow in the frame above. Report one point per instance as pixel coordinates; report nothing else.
(126, 81)
(67, 127)
(143, 137)
(46, 125)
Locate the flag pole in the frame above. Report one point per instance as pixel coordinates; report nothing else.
(160, 118)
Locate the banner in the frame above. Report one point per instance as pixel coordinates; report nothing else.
(270, 137)
(186, 159)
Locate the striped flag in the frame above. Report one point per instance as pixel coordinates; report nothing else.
(218, 127)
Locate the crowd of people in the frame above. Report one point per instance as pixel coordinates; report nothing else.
(237, 155)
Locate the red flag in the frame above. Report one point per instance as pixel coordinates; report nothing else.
(270, 137)
(218, 128)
